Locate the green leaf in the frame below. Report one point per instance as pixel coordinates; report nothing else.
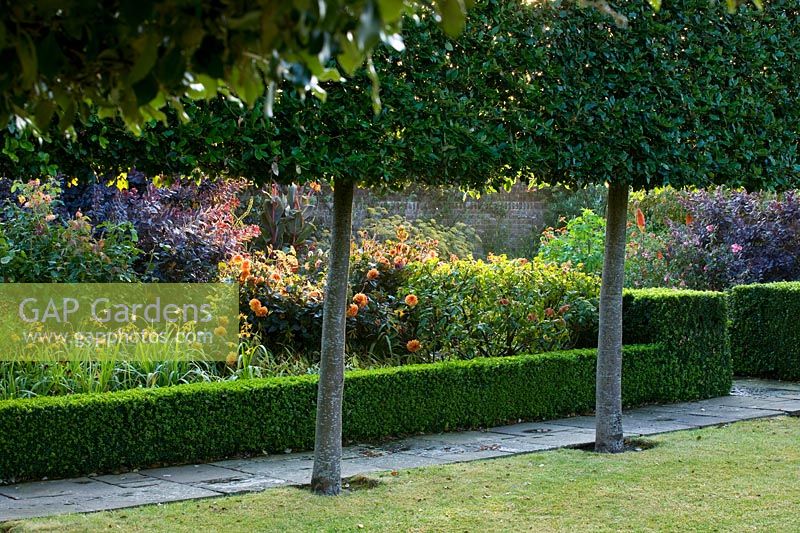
(453, 14)
(44, 113)
(247, 84)
(26, 52)
(391, 10)
(330, 74)
(171, 68)
(351, 57)
(146, 48)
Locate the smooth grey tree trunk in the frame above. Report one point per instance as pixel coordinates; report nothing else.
(327, 474)
(608, 399)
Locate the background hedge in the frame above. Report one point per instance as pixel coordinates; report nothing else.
(81, 434)
(765, 337)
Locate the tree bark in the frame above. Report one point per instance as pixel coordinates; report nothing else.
(608, 399)
(326, 478)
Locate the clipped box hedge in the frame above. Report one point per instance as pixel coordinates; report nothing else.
(764, 330)
(692, 325)
(81, 434)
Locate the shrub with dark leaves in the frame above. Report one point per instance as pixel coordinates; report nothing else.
(733, 238)
(185, 229)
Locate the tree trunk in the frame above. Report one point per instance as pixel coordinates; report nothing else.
(327, 474)
(608, 399)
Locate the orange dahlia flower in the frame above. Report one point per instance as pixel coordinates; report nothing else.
(360, 300)
(413, 345)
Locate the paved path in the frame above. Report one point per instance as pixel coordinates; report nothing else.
(749, 399)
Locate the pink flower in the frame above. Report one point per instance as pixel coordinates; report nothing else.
(735, 248)
(710, 228)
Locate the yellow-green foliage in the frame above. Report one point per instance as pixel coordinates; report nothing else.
(500, 307)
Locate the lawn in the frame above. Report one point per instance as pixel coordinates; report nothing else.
(739, 477)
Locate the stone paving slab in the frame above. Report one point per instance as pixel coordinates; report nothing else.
(95, 496)
(297, 471)
(245, 485)
(392, 461)
(764, 385)
(47, 489)
(565, 439)
(746, 402)
(206, 473)
(130, 480)
(530, 429)
(749, 399)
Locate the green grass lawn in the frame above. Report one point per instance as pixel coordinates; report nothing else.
(741, 477)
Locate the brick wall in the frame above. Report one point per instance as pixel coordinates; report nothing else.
(507, 222)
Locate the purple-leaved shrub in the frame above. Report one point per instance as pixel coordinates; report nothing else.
(734, 238)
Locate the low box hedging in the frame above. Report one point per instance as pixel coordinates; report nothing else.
(765, 336)
(82, 434)
(692, 325)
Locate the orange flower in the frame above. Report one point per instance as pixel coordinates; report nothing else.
(247, 265)
(275, 277)
(400, 262)
(260, 280)
(659, 255)
(563, 309)
(262, 311)
(689, 219)
(237, 258)
(533, 317)
(315, 186)
(255, 304)
(361, 300)
(314, 295)
(373, 274)
(549, 312)
(640, 219)
(413, 345)
(411, 300)
(352, 310)
(503, 301)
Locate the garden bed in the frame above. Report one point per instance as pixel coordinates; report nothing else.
(682, 356)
